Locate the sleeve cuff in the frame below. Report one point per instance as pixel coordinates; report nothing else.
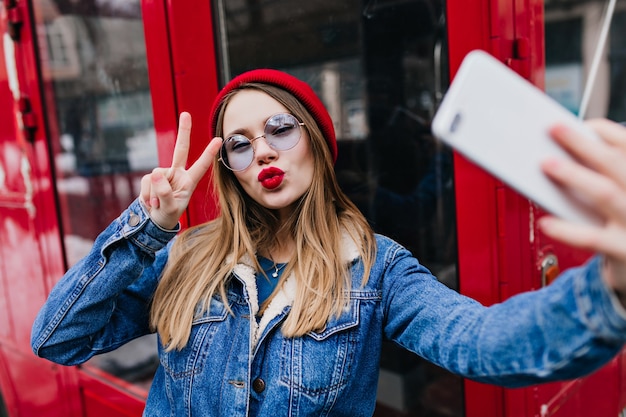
(598, 304)
(137, 225)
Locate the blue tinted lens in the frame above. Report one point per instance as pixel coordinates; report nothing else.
(282, 131)
(237, 153)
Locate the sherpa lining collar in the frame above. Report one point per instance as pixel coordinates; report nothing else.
(284, 298)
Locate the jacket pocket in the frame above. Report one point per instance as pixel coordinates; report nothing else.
(321, 361)
(190, 360)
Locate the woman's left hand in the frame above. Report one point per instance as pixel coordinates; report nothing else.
(599, 175)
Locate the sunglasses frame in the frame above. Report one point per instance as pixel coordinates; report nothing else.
(299, 124)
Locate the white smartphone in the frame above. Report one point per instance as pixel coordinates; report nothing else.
(500, 121)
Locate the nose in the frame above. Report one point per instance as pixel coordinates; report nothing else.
(263, 152)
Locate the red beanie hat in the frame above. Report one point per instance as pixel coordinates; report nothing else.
(299, 89)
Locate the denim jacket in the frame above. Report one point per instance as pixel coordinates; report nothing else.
(234, 365)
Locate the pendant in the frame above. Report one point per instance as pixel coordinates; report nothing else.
(277, 270)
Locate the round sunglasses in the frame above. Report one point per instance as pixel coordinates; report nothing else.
(282, 132)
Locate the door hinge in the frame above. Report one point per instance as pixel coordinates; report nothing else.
(29, 118)
(14, 18)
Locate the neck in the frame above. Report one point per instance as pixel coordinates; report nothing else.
(283, 248)
(286, 212)
(282, 253)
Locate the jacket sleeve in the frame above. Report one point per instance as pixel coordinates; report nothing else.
(103, 301)
(563, 331)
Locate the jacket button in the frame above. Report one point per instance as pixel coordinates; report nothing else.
(133, 220)
(258, 385)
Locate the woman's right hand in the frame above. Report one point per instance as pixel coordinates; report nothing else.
(166, 192)
(598, 174)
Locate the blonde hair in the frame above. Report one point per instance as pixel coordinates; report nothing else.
(202, 258)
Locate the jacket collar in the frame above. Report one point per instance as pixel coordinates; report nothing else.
(246, 273)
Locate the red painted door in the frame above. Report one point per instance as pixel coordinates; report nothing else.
(76, 136)
(504, 248)
(29, 386)
(91, 65)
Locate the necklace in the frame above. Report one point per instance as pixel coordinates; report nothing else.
(270, 267)
(277, 269)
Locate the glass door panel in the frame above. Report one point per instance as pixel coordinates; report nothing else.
(380, 68)
(572, 30)
(572, 40)
(101, 132)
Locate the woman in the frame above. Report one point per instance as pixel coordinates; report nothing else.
(279, 306)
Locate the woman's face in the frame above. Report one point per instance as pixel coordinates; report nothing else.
(275, 179)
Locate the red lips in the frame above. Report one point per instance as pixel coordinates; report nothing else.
(271, 177)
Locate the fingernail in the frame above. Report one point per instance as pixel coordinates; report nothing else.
(559, 130)
(154, 202)
(544, 222)
(551, 164)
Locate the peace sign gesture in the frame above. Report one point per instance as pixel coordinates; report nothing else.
(166, 191)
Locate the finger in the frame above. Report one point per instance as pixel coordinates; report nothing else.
(154, 200)
(165, 212)
(601, 156)
(162, 190)
(144, 192)
(181, 149)
(607, 240)
(159, 187)
(573, 234)
(612, 133)
(200, 167)
(600, 192)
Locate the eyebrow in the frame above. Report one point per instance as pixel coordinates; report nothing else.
(240, 131)
(245, 131)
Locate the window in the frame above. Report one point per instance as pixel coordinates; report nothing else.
(93, 64)
(380, 68)
(572, 35)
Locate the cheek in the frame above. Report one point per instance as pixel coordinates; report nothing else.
(307, 169)
(245, 180)
(306, 155)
